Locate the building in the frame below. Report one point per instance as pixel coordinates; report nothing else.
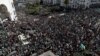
(72, 3)
(82, 3)
(32, 1)
(51, 2)
(20, 3)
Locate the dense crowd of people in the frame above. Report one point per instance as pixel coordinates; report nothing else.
(63, 35)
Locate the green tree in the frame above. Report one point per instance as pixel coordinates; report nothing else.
(66, 1)
(33, 8)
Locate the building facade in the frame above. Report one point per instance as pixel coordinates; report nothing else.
(82, 3)
(72, 3)
(51, 2)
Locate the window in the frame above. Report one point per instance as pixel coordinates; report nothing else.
(82, 0)
(93, 0)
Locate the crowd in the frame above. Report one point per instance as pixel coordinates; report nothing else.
(63, 35)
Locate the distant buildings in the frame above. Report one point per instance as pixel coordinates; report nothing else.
(82, 3)
(72, 3)
(51, 2)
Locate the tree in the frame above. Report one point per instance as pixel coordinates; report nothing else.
(66, 1)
